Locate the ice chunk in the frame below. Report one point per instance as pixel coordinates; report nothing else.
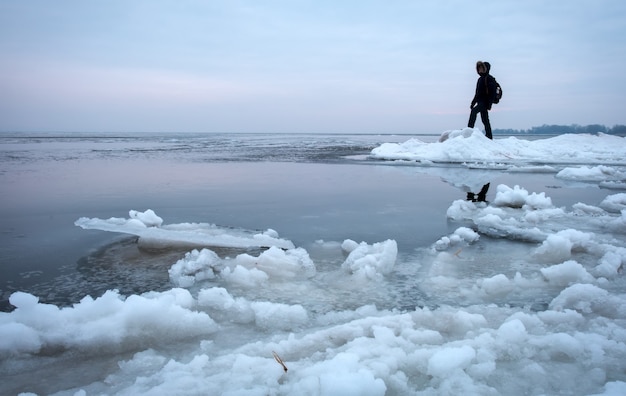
(611, 263)
(281, 264)
(23, 300)
(265, 314)
(460, 235)
(446, 360)
(278, 316)
(615, 388)
(195, 266)
(567, 273)
(110, 320)
(592, 173)
(512, 332)
(17, 338)
(244, 269)
(370, 261)
(588, 299)
(614, 203)
(498, 285)
(559, 246)
(186, 234)
(242, 276)
(148, 218)
(518, 197)
(225, 307)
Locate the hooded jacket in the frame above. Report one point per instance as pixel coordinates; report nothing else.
(485, 86)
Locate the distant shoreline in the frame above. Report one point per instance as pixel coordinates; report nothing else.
(543, 131)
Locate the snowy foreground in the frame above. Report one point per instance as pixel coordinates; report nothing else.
(541, 309)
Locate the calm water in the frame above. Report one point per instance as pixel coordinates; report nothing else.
(306, 187)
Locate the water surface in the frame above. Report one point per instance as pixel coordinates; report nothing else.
(309, 188)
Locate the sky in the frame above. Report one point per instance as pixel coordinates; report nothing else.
(303, 66)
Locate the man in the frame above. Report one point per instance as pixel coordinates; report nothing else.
(483, 98)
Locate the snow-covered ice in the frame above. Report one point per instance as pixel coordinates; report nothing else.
(524, 298)
(469, 145)
(151, 231)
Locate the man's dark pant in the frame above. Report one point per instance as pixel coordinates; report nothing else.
(484, 116)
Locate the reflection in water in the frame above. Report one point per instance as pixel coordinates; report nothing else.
(481, 196)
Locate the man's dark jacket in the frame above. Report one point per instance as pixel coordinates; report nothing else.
(485, 90)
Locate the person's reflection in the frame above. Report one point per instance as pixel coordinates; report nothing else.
(481, 196)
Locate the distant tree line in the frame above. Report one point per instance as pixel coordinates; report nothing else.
(562, 129)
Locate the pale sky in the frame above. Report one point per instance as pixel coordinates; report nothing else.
(328, 66)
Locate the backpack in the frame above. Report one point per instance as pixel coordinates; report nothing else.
(498, 92)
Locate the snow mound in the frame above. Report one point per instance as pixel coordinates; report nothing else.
(370, 261)
(471, 146)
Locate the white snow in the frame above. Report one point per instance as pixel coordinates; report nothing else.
(615, 203)
(370, 261)
(538, 309)
(592, 173)
(471, 146)
(273, 263)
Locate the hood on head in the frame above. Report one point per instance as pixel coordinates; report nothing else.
(480, 64)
